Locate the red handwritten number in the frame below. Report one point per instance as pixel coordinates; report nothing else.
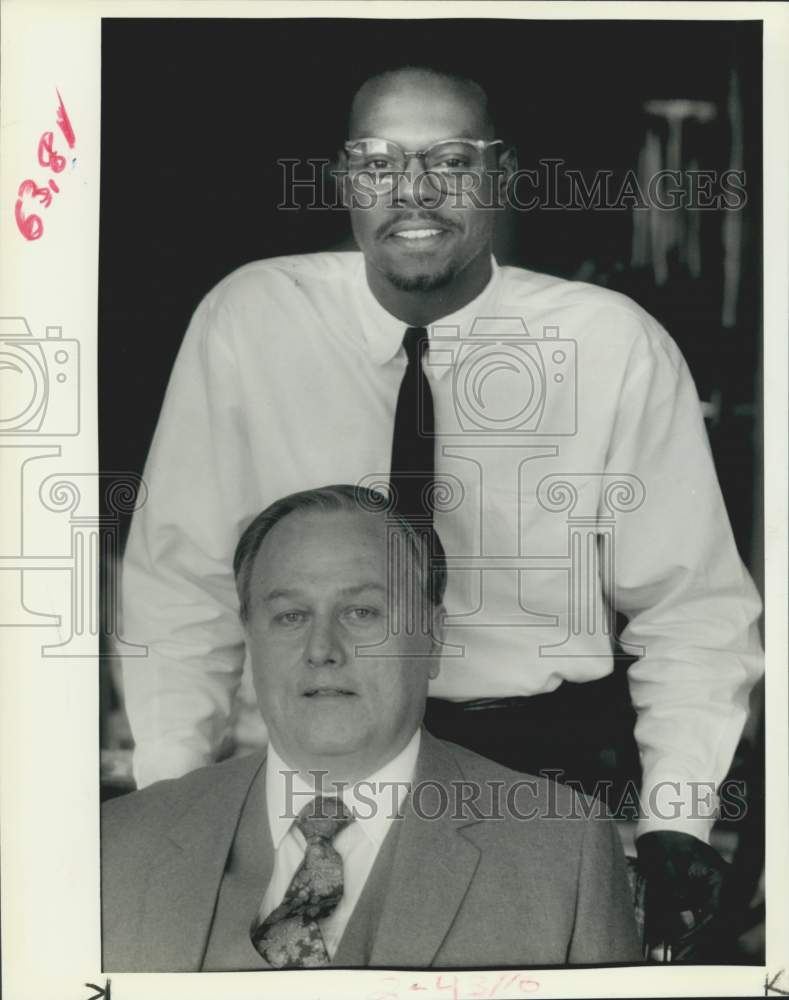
(28, 187)
(451, 983)
(64, 124)
(47, 156)
(30, 226)
(478, 987)
(503, 985)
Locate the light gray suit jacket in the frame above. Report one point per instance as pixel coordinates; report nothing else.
(464, 891)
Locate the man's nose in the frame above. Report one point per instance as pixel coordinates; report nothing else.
(416, 186)
(324, 648)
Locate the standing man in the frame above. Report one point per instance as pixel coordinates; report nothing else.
(569, 454)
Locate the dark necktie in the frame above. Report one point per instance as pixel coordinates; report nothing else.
(289, 937)
(413, 441)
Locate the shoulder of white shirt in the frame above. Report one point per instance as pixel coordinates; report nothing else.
(330, 270)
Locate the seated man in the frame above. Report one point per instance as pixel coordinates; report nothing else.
(356, 839)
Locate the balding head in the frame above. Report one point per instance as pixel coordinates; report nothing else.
(389, 89)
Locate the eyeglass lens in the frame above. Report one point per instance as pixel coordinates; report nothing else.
(378, 160)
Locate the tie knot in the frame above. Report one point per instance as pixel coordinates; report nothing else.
(415, 342)
(323, 817)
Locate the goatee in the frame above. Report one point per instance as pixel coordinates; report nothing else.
(421, 282)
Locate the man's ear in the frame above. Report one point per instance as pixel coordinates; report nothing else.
(508, 161)
(438, 632)
(507, 168)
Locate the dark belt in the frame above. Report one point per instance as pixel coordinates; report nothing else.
(586, 696)
(514, 704)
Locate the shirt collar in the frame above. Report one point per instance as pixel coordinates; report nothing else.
(370, 800)
(384, 332)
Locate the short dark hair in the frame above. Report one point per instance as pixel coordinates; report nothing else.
(437, 71)
(489, 91)
(423, 541)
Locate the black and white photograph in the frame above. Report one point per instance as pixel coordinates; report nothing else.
(415, 588)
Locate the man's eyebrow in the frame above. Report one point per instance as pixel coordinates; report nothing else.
(273, 595)
(359, 588)
(283, 592)
(465, 133)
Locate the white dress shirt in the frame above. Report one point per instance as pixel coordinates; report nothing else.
(374, 803)
(288, 378)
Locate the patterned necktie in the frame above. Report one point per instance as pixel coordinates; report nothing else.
(290, 937)
(413, 441)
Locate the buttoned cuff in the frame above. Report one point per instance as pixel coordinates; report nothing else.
(683, 806)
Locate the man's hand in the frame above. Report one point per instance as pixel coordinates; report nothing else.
(684, 887)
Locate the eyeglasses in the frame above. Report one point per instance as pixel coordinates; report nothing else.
(378, 163)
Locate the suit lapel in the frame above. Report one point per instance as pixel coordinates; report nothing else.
(185, 878)
(432, 869)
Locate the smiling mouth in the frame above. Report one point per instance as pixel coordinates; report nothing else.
(414, 235)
